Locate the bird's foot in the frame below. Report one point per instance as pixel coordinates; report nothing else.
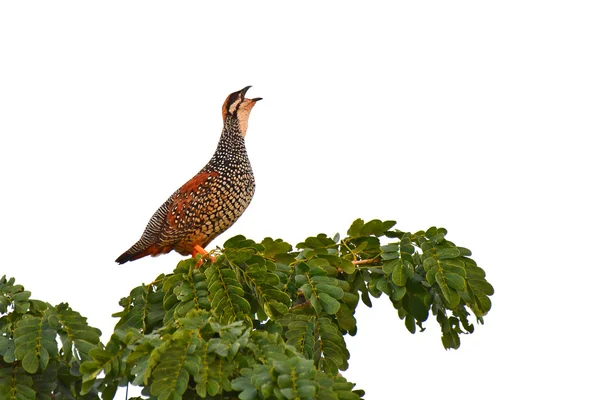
(200, 250)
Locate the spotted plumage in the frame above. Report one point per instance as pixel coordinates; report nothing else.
(210, 202)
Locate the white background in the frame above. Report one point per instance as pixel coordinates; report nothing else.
(478, 117)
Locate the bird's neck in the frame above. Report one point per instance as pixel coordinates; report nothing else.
(231, 149)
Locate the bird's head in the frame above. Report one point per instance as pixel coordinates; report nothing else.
(238, 107)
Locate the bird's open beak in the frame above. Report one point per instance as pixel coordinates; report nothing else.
(243, 93)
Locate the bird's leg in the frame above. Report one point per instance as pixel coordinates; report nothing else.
(200, 250)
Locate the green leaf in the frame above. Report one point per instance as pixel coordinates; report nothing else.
(307, 392)
(213, 387)
(345, 317)
(387, 225)
(288, 393)
(373, 227)
(275, 247)
(390, 265)
(450, 340)
(329, 304)
(450, 294)
(429, 263)
(389, 248)
(399, 275)
(235, 242)
(398, 294)
(21, 296)
(464, 251)
(409, 322)
(455, 281)
(390, 256)
(335, 292)
(318, 262)
(430, 275)
(482, 285)
(414, 304)
(455, 266)
(31, 362)
(451, 252)
(407, 248)
(347, 266)
(356, 228)
(340, 263)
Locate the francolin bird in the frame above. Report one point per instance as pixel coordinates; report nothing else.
(210, 202)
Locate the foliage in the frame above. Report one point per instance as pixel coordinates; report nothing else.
(34, 364)
(260, 321)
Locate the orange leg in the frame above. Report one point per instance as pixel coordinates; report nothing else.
(200, 250)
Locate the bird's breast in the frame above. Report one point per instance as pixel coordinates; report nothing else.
(214, 205)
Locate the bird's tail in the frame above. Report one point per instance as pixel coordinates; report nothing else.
(128, 256)
(137, 251)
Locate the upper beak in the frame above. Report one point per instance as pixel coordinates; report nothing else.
(244, 90)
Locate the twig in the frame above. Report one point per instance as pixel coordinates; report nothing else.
(362, 262)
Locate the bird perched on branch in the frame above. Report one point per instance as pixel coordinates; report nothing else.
(211, 201)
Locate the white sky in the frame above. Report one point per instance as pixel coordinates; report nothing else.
(477, 117)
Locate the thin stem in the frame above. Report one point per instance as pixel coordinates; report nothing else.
(350, 250)
(362, 262)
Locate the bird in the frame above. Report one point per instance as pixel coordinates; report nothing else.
(211, 201)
